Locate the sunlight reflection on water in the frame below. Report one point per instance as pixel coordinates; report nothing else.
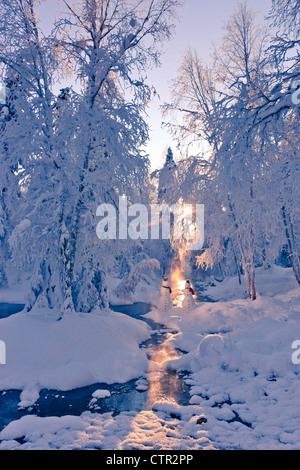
(164, 383)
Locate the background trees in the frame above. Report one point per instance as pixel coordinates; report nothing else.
(240, 105)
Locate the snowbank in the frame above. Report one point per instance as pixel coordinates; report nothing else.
(269, 282)
(16, 295)
(127, 431)
(240, 355)
(278, 299)
(77, 351)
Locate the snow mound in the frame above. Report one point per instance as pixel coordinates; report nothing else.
(79, 350)
(101, 394)
(211, 345)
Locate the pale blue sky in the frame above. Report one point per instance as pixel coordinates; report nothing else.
(200, 25)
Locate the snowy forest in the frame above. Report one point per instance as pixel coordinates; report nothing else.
(139, 342)
(66, 150)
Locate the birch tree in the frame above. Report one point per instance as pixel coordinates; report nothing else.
(215, 105)
(82, 148)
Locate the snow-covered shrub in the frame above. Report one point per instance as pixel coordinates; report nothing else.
(127, 286)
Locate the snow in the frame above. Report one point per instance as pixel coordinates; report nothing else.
(270, 282)
(79, 350)
(101, 394)
(244, 387)
(146, 290)
(98, 394)
(16, 295)
(68, 152)
(129, 430)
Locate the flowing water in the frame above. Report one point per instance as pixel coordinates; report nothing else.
(6, 309)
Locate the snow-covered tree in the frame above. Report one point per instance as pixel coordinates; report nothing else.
(108, 44)
(284, 18)
(214, 101)
(30, 60)
(81, 149)
(240, 54)
(249, 124)
(167, 179)
(127, 286)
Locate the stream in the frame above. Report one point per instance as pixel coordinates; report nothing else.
(139, 394)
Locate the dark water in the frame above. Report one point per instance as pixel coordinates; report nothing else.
(161, 384)
(6, 309)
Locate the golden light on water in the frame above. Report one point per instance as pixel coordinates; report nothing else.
(164, 384)
(180, 295)
(187, 211)
(177, 283)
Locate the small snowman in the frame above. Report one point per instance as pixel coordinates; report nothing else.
(165, 302)
(188, 300)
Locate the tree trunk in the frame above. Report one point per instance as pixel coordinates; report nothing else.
(290, 236)
(250, 281)
(248, 266)
(237, 264)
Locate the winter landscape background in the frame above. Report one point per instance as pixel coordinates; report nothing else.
(92, 354)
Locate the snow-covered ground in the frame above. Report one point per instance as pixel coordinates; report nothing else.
(14, 295)
(240, 354)
(245, 388)
(79, 350)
